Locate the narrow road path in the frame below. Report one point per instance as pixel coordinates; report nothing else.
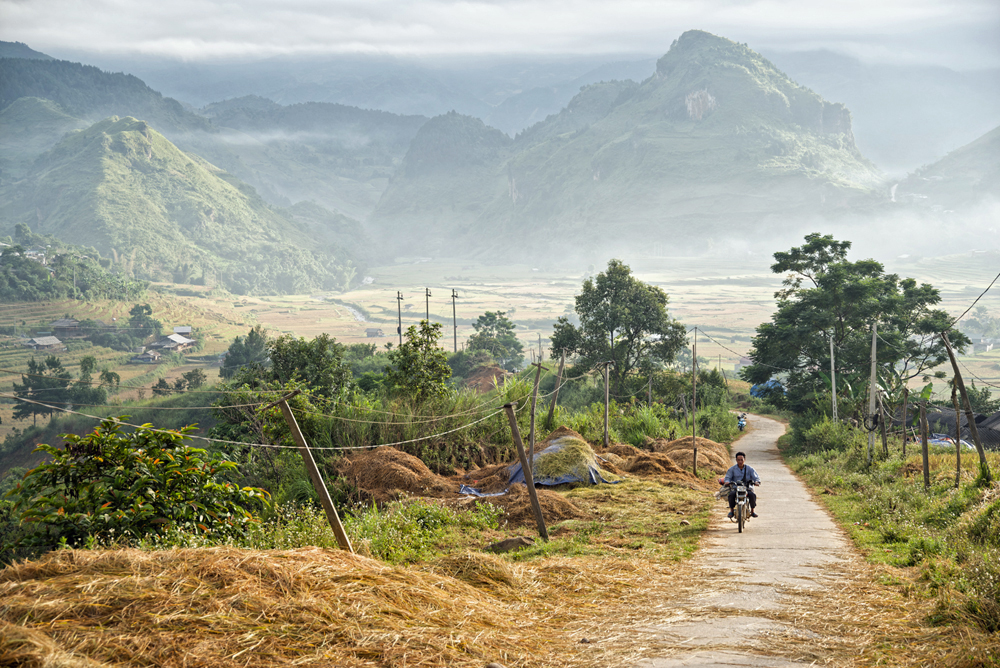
(749, 579)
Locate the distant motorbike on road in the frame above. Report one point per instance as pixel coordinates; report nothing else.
(741, 421)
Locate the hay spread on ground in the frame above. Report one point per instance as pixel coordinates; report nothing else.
(516, 504)
(385, 473)
(571, 456)
(711, 455)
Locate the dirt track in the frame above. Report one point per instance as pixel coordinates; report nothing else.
(750, 579)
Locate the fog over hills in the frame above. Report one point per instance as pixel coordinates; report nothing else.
(711, 147)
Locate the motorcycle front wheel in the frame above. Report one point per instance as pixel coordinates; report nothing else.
(740, 518)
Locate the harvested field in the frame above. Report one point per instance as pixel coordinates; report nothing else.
(711, 455)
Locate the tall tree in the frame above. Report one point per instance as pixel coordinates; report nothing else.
(46, 382)
(622, 320)
(826, 296)
(495, 335)
(419, 367)
(246, 351)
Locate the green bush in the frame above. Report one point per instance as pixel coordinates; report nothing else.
(107, 486)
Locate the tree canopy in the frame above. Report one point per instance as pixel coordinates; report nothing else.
(495, 335)
(825, 296)
(622, 320)
(419, 367)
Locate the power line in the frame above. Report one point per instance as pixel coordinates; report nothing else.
(261, 445)
(974, 302)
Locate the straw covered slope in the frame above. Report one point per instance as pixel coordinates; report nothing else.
(226, 607)
(711, 455)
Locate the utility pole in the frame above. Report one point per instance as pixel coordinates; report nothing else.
(958, 434)
(555, 397)
(833, 380)
(539, 346)
(454, 318)
(694, 401)
(906, 418)
(649, 391)
(399, 311)
(534, 400)
(984, 467)
(427, 301)
(871, 397)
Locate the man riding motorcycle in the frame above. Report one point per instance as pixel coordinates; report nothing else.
(741, 473)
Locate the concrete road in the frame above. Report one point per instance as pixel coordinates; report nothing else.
(785, 551)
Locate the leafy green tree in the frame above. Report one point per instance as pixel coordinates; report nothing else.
(142, 322)
(318, 363)
(195, 378)
(982, 400)
(622, 320)
(419, 367)
(111, 378)
(495, 335)
(826, 296)
(246, 351)
(111, 486)
(87, 365)
(46, 382)
(161, 388)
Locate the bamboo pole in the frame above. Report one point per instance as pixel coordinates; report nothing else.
(958, 434)
(534, 400)
(529, 480)
(923, 444)
(694, 403)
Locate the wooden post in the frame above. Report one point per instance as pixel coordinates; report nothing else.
(555, 397)
(923, 444)
(694, 402)
(684, 405)
(649, 392)
(317, 480)
(529, 480)
(534, 399)
(984, 467)
(906, 418)
(881, 422)
(607, 401)
(958, 434)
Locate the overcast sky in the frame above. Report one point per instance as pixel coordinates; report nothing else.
(964, 34)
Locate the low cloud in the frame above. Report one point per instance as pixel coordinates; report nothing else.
(962, 32)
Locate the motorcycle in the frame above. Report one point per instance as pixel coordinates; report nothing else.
(741, 422)
(742, 511)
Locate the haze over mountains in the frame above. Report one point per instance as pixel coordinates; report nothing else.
(709, 146)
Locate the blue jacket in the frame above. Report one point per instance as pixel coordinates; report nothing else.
(747, 474)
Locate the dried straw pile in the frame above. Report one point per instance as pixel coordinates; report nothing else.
(489, 479)
(385, 474)
(517, 506)
(623, 450)
(225, 607)
(711, 455)
(657, 464)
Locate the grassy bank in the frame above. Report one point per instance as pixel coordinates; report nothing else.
(941, 543)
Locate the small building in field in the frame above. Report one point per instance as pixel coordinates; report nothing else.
(66, 328)
(148, 357)
(183, 330)
(174, 343)
(44, 343)
(372, 332)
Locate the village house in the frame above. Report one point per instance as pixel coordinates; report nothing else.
(374, 332)
(67, 328)
(148, 357)
(45, 343)
(174, 343)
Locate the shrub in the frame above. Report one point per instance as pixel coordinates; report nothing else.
(108, 486)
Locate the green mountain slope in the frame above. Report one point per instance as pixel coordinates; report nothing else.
(20, 50)
(29, 127)
(717, 137)
(965, 177)
(124, 189)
